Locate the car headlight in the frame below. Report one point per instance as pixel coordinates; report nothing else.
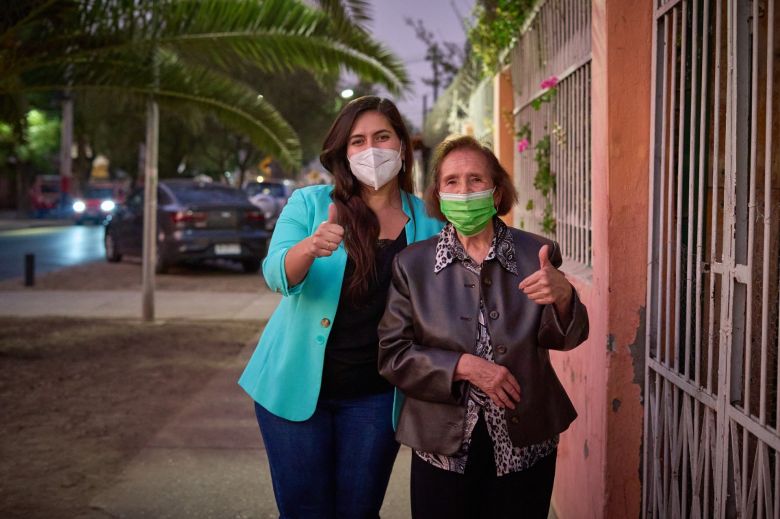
(107, 206)
(79, 206)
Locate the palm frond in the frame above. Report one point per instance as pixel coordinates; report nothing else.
(202, 48)
(277, 35)
(354, 11)
(235, 104)
(271, 36)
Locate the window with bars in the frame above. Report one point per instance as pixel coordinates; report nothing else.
(556, 41)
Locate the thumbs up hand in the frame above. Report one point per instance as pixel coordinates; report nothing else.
(327, 237)
(548, 285)
(544, 257)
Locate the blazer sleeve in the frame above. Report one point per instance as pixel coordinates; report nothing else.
(423, 373)
(551, 334)
(291, 227)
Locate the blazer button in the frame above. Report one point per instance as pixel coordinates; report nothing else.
(493, 314)
(501, 349)
(514, 419)
(325, 322)
(487, 282)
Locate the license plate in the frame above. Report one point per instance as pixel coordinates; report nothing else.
(227, 248)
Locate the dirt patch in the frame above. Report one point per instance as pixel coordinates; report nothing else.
(80, 398)
(101, 275)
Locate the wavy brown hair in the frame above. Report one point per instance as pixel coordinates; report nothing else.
(360, 224)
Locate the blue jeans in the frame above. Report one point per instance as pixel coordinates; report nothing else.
(337, 463)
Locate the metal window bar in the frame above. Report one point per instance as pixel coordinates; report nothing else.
(712, 427)
(556, 41)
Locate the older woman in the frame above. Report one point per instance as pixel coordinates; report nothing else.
(470, 317)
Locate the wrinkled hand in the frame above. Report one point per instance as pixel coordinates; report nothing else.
(327, 237)
(493, 379)
(548, 285)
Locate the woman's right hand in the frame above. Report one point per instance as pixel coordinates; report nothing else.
(326, 238)
(321, 243)
(495, 380)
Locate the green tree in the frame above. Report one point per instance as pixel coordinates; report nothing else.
(192, 55)
(495, 29)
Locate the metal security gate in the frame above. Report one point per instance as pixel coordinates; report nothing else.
(711, 435)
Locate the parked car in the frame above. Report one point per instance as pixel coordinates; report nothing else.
(96, 204)
(45, 195)
(270, 196)
(195, 221)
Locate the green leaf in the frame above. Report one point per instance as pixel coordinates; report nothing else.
(202, 47)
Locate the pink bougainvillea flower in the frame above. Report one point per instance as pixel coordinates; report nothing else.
(550, 82)
(522, 145)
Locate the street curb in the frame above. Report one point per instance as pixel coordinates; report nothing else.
(12, 225)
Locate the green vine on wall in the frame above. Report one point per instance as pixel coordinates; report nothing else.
(496, 29)
(544, 180)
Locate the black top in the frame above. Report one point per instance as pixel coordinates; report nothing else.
(350, 368)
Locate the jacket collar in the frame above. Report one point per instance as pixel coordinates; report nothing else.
(408, 209)
(449, 249)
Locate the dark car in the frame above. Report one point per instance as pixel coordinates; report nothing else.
(270, 196)
(195, 221)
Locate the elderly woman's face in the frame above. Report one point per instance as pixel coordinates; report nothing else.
(464, 171)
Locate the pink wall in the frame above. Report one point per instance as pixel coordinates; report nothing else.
(629, 26)
(599, 456)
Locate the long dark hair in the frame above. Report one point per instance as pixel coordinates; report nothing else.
(360, 224)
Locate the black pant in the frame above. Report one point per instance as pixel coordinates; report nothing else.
(479, 493)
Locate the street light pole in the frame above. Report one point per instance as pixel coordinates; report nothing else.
(150, 184)
(66, 143)
(150, 208)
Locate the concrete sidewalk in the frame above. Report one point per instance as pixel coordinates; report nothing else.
(126, 304)
(208, 461)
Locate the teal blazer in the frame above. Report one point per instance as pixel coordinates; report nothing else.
(285, 371)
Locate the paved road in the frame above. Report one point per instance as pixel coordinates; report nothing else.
(54, 248)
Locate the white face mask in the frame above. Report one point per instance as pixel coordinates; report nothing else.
(375, 167)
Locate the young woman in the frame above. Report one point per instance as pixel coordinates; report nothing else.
(323, 409)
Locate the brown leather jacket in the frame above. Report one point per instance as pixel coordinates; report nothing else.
(431, 320)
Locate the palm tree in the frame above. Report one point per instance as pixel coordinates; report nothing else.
(186, 51)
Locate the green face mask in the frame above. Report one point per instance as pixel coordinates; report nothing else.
(469, 213)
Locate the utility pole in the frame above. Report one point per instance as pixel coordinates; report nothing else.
(66, 145)
(150, 187)
(150, 208)
(435, 61)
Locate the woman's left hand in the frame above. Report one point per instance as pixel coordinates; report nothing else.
(548, 285)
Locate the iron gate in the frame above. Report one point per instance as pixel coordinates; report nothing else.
(711, 435)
